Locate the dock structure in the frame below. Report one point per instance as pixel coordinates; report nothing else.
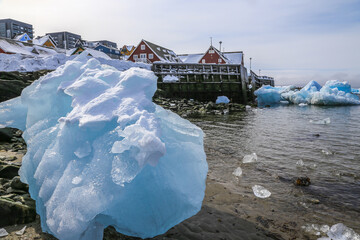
(203, 82)
(257, 81)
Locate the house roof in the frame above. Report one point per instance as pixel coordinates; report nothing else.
(12, 46)
(96, 54)
(41, 40)
(165, 54)
(191, 58)
(129, 47)
(92, 52)
(229, 57)
(20, 36)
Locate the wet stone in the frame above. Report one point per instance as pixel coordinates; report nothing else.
(302, 181)
(9, 171)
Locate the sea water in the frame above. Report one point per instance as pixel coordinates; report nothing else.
(288, 145)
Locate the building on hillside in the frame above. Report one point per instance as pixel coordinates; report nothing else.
(65, 40)
(10, 46)
(214, 56)
(148, 52)
(110, 51)
(9, 28)
(46, 41)
(127, 50)
(89, 51)
(24, 37)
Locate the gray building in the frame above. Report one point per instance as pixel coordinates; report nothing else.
(9, 28)
(107, 43)
(62, 38)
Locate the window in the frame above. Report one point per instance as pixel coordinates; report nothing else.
(211, 51)
(135, 56)
(151, 56)
(143, 47)
(143, 55)
(219, 60)
(203, 61)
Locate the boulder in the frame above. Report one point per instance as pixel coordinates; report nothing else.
(9, 171)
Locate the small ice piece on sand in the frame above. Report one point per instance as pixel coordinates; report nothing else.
(250, 158)
(21, 232)
(302, 104)
(247, 107)
(324, 121)
(300, 163)
(326, 152)
(261, 192)
(341, 232)
(238, 172)
(3, 232)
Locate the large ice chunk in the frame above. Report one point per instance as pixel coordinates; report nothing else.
(332, 93)
(341, 232)
(101, 153)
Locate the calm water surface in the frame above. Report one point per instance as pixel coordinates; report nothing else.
(282, 136)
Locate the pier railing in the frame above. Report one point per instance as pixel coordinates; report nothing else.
(204, 82)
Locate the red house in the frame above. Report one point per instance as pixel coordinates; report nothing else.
(214, 56)
(148, 52)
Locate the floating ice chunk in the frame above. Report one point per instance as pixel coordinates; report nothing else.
(238, 172)
(267, 95)
(261, 192)
(341, 232)
(3, 232)
(284, 102)
(302, 104)
(332, 93)
(171, 78)
(101, 153)
(323, 121)
(21, 232)
(222, 99)
(250, 158)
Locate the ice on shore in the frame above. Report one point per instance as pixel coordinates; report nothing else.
(101, 153)
(3, 232)
(222, 99)
(333, 92)
(237, 172)
(261, 192)
(250, 158)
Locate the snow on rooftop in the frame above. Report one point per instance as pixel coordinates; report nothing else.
(13, 47)
(191, 58)
(234, 57)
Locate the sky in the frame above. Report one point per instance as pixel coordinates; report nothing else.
(294, 41)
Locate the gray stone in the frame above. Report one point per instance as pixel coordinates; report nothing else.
(17, 184)
(12, 212)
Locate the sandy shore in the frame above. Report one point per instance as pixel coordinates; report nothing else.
(218, 219)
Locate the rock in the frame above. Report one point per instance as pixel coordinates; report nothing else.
(17, 191)
(302, 181)
(210, 106)
(17, 184)
(9, 171)
(15, 213)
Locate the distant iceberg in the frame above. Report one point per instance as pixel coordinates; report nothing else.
(101, 153)
(334, 92)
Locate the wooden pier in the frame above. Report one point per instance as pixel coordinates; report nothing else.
(203, 82)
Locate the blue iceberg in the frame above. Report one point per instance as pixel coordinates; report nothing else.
(101, 153)
(334, 92)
